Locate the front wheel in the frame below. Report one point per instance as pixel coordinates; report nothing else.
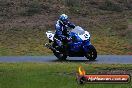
(92, 53)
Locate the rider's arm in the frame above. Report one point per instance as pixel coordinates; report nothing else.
(59, 31)
(71, 25)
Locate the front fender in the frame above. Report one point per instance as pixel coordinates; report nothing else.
(85, 45)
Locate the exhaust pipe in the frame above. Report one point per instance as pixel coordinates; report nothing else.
(52, 48)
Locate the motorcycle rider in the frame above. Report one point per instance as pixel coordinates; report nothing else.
(61, 29)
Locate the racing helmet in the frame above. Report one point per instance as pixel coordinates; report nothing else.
(63, 19)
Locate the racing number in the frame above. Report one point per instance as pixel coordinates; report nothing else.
(86, 36)
(50, 36)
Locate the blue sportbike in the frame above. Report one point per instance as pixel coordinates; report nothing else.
(78, 45)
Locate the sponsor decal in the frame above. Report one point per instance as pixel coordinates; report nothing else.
(82, 77)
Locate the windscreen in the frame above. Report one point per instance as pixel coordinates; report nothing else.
(78, 30)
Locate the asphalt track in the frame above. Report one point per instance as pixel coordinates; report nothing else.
(107, 59)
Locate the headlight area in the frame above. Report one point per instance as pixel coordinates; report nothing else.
(86, 42)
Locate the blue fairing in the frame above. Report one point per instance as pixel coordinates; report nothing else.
(78, 39)
(78, 44)
(75, 46)
(85, 45)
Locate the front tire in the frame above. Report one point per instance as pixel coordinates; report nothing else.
(92, 53)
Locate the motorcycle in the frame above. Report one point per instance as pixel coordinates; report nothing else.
(78, 44)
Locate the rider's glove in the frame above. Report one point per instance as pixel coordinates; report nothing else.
(68, 38)
(63, 37)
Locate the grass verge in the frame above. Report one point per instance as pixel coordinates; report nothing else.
(55, 75)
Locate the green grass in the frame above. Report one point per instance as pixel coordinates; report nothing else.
(15, 42)
(129, 21)
(51, 75)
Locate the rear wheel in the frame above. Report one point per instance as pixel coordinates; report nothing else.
(60, 56)
(92, 53)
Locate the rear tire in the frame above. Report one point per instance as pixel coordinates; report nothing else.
(92, 53)
(60, 56)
